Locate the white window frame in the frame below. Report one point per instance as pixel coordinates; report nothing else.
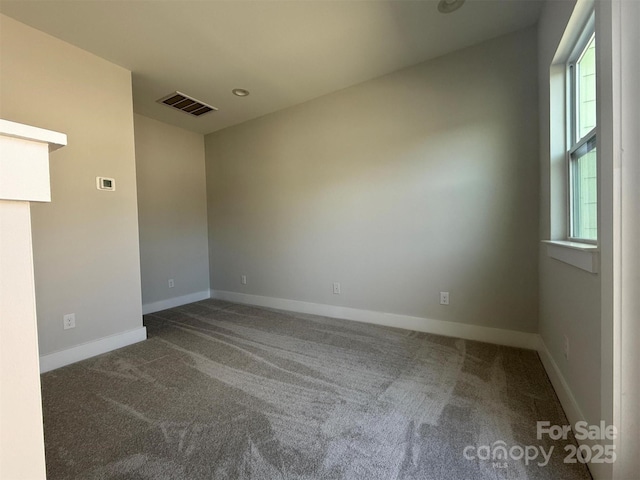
(574, 144)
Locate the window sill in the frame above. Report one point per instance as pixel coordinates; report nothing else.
(581, 255)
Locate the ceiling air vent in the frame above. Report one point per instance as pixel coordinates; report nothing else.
(186, 104)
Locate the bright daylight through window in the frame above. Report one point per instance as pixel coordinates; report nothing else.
(582, 154)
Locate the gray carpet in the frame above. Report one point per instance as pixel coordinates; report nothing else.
(225, 391)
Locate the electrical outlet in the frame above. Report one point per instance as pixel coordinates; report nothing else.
(444, 298)
(69, 321)
(336, 288)
(171, 283)
(243, 279)
(566, 347)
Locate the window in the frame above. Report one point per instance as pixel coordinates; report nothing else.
(582, 153)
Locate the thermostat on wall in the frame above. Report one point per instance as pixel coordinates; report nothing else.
(104, 183)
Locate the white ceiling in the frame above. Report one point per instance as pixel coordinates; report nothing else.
(283, 52)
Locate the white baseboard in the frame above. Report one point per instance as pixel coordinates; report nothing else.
(560, 385)
(91, 349)
(498, 336)
(175, 302)
(570, 406)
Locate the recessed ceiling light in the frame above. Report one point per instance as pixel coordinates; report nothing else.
(240, 92)
(448, 6)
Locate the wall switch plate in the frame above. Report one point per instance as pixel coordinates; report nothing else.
(171, 283)
(336, 288)
(444, 298)
(243, 279)
(69, 321)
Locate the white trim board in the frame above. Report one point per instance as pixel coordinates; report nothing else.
(560, 385)
(569, 404)
(498, 336)
(174, 302)
(91, 349)
(580, 255)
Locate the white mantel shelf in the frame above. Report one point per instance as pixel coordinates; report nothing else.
(24, 161)
(55, 140)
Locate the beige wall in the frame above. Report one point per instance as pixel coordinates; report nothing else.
(86, 241)
(569, 297)
(421, 181)
(172, 208)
